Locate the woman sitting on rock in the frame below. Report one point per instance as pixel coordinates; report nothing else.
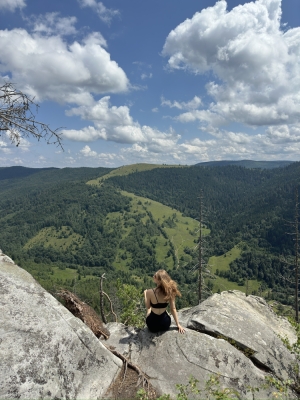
(157, 300)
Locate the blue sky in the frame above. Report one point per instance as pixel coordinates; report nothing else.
(164, 81)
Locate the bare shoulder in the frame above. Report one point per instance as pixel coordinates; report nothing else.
(148, 291)
(149, 294)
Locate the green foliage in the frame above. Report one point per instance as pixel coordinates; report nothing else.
(132, 308)
(280, 389)
(212, 391)
(189, 389)
(52, 218)
(142, 394)
(242, 205)
(70, 217)
(294, 349)
(224, 280)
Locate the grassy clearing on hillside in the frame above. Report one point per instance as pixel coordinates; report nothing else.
(8, 216)
(130, 169)
(185, 231)
(55, 276)
(221, 263)
(63, 238)
(223, 284)
(60, 276)
(172, 244)
(183, 234)
(64, 274)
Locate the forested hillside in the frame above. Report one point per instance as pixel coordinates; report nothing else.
(67, 232)
(248, 206)
(237, 200)
(16, 181)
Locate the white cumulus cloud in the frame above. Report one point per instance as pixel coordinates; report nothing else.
(105, 14)
(7, 146)
(190, 105)
(279, 143)
(53, 24)
(92, 157)
(48, 68)
(145, 143)
(4, 148)
(257, 63)
(116, 124)
(11, 5)
(146, 76)
(87, 152)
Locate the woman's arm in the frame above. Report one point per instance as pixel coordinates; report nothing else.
(175, 316)
(147, 302)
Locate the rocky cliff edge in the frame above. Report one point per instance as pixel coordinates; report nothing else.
(46, 352)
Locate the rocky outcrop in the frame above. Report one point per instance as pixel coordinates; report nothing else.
(229, 334)
(249, 324)
(170, 358)
(45, 352)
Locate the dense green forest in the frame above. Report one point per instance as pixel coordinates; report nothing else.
(249, 206)
(53, 223)
(240, 204)
(67, 233)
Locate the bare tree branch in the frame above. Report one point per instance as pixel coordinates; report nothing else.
(101, 298)
(18, 119)
(111, 307)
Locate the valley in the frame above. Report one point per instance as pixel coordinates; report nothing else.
(68, 227)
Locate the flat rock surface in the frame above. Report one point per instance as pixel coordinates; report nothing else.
(249, 323)
(45, 352)
(170, 358)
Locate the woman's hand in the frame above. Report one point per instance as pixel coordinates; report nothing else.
(180, 329)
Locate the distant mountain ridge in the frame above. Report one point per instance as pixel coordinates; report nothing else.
(17, 176)
(19, 172)
(246, 164)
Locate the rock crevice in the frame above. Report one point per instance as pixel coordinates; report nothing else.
(252, 328)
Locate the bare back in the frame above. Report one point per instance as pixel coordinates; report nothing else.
(155, 296)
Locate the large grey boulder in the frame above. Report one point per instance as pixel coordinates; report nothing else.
(229, 335)
(250, 325)
(171, 358)
(45, 352)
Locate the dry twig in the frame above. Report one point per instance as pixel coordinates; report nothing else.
(18, 119)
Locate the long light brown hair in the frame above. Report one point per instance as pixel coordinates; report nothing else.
(166, 285)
